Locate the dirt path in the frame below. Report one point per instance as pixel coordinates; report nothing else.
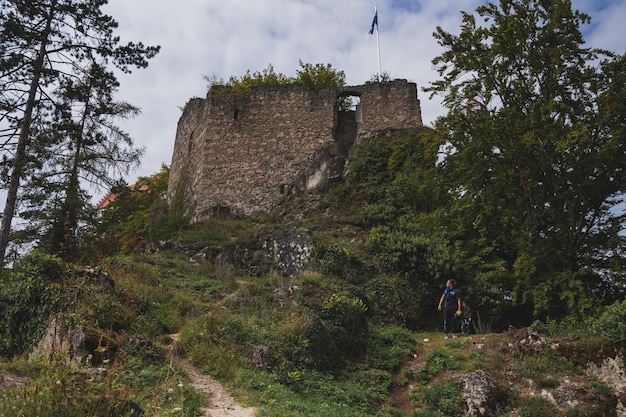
(221, 403)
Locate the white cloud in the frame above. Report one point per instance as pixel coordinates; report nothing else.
(211, 37)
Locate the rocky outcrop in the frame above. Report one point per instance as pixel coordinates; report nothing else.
(75, 343)
(10, 380)
(527, 341)
(97, 276)
(612, 372)
(242, 258)
(482, 394)
(289, 248)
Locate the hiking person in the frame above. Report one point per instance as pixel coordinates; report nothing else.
(466, 318)
(450, 302)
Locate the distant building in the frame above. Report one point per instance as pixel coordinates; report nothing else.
(110, 197)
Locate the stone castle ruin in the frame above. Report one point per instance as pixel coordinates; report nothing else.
(245, 152)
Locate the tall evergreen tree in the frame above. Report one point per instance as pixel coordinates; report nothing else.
(47, 47)
(85, 147)
(536, 162)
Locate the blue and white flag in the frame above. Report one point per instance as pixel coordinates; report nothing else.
(374, 23)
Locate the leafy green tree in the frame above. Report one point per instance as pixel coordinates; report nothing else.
(139, 213)
(44, 45)
(87, 147)
(268, 76)
(399, 180)
(29, 295)
(309, 76)
(612, 323)
(536, 141)
(319, 75)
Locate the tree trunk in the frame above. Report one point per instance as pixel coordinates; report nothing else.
(20, 153)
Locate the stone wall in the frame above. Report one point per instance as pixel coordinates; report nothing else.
(247, 151)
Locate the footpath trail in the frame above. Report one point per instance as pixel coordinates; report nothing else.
(222, 404)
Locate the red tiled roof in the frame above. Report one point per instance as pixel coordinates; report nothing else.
(111, 196)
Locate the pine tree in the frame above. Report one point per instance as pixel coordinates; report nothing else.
(49, 47)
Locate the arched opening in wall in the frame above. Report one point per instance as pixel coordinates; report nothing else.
(349, 105)
(348, 102)
(348, 117)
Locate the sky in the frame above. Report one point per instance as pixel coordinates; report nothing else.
(217, 38)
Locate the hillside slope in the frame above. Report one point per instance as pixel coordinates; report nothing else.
(290, 347)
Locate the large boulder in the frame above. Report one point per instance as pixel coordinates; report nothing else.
(290, 247)
(241, 258)
(97, 276)
(483, 394)
(79, 344)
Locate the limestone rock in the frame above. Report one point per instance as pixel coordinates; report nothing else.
(483, 395)
(612, 372)
(527, 340)
(289, 247)
(78, 344)
(9, 380)
(97, 276)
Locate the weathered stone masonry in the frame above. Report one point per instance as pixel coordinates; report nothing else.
(246, 152)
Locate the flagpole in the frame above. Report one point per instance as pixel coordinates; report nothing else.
(377, 42)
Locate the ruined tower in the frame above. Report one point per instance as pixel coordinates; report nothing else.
(247, 151)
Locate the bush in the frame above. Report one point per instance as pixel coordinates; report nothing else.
(28, 298)
(442, 399)
(338, 332)
(612, 323)
(536, 406)
(336, 261)
(388, 346)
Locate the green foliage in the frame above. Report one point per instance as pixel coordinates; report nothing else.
(309, 76)
(242, 85)
(70, 390)
(419, 263)
(266, 77)
(399, 250)
(337, 261)
(400, 173)
(536, 406)
(525, 135)
(437, 362)
(337, 332)
(385, 297)
(355, 394)
(443, 399)
(388, 347)
(319, 75)
(375, 214)
(29, 295)
(138, 215)
(152, 291)
(543, 367)
(369, 168)
(61, 120)
(385, 77)
(611, 324)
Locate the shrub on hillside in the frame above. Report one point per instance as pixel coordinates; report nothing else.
(339, 332)
(612, 323)
(28, 298)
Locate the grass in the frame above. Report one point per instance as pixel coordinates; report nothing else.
(266, 338)
(61, 389)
